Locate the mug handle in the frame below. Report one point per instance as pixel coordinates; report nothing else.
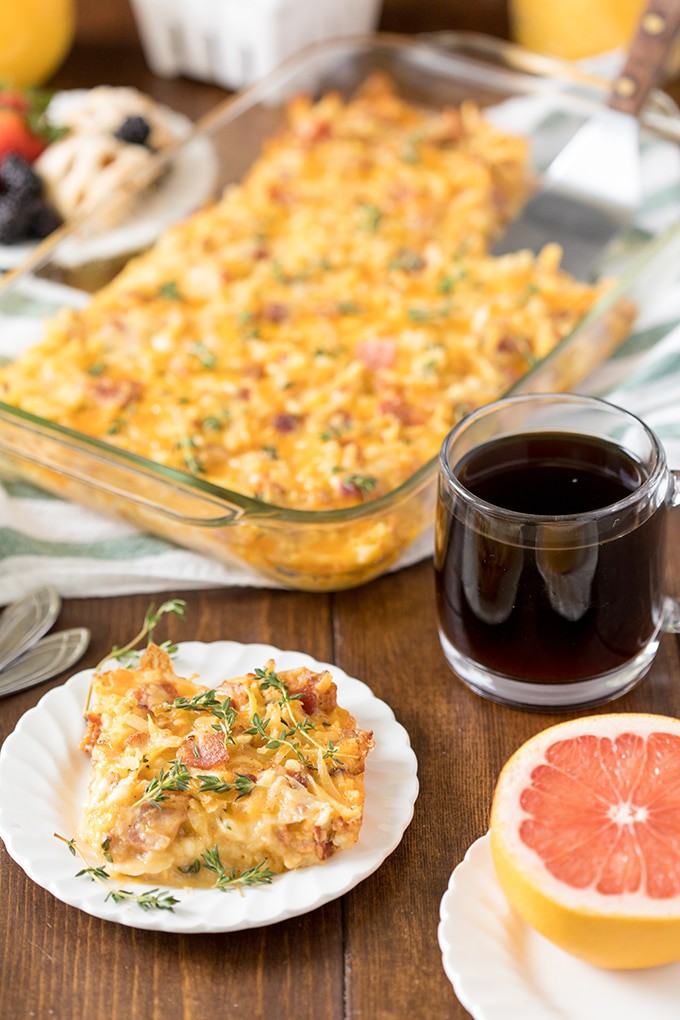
(671, 615)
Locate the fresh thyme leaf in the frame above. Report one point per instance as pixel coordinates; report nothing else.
(212, 423)
(207, 701)
(169, 291)
(152, 618)
(270, 679)
(331, 754)
(213, 784)
(348, 308)
(260, 874)
(93, 873)
(370, 217)
(364, 483)
(106, 850)
(190, 869)
(408, 261)
(243, 783)
(187, 445)
(149, 900)
(97, 369)
(176, 779)
(204, 354)
(259, 727)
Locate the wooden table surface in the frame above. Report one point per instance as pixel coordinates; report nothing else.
(372, 954)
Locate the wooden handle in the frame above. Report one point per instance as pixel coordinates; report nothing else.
(656, 31)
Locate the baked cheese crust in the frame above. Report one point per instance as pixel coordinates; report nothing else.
(310, 339)
(266, 769)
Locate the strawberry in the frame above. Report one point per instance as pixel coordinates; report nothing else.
(13, 99)
(17, 137)
(24, 127)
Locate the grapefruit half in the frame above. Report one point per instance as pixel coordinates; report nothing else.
(585, 837)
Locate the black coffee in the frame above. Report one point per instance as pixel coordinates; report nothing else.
(530, 605)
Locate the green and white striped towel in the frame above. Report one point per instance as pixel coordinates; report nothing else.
(45, 540)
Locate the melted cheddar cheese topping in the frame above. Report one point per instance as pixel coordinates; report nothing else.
(266, 769)
(309, 339)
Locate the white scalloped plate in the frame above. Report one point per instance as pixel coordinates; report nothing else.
(43, 779)
(189, 182)
(501, 969)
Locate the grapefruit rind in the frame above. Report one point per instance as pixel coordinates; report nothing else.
(623, 931)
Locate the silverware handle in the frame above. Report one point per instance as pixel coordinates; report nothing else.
(654, 36)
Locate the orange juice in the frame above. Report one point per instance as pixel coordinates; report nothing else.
(35, 36)
(574, 28)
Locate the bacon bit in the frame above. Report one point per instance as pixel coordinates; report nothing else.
(349, 488)
(323, 847)
(506, 345)
(204, 751)
(400, 193)
(93, 732)
(150, 696)
(402, 410)
(286, 422)
(236, 692)
(300, 777)
(276, 312)
(449, 128)
(260, 253)
(309, 702)
(318, 689)
(117, 391)
(243, 393)
(380, 352)
(253, 371)
(136, 740)
(279, 194)
(315, 131)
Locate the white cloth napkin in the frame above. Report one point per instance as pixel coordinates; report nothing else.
(44, 540)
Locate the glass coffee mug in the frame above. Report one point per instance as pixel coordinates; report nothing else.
(550, 550)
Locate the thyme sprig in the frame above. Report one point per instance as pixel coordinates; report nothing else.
(331, 754)
(243, 783)
(128, 654)
(150, 899)
(271, 679)
(260, 874)
(176, 779)
(284, 737)
(207, 701)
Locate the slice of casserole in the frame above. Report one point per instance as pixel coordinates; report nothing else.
(266, 771)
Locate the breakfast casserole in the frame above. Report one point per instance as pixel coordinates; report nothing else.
(265, 772)
(309, 339)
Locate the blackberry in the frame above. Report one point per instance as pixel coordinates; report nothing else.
(43, 219)
(134, 130)
(14, 218)
(18, 176)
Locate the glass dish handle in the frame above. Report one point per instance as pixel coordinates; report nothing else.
(62, 463)
(671, 616)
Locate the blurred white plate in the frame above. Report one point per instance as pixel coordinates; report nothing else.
(189, 182)
(503, 970)
(43, 780)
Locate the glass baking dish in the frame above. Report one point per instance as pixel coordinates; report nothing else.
(333, 549)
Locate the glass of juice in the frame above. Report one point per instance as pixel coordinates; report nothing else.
(550, 549)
